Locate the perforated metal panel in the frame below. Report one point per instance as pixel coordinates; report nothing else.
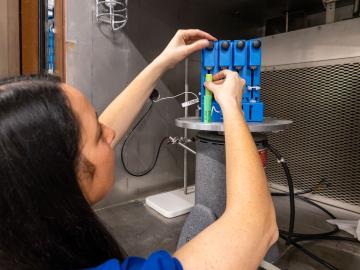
(324, 141)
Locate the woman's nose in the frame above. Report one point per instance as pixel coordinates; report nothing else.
(109, 134)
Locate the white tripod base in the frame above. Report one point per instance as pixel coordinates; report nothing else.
(172, 203)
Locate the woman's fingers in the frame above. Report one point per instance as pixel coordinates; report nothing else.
(213, 87)
(196, 39)
(184, 43)
(198, 45)
(195, 34)
(219, 81)
(227, 87)
(222, 74)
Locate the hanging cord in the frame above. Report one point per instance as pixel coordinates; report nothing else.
(290, 236)
(153, 164)
(154, 98)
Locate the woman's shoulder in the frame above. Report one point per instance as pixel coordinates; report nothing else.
(160, 260)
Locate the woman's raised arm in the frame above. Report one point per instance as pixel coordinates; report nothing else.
(123, 109)
(240, 238)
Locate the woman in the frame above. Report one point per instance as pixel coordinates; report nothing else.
(57, 158)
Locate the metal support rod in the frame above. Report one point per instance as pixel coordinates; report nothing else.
(187, 148)
(185, 129)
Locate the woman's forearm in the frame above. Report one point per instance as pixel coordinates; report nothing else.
(247, 190)
(122, 111)
(240, 238)
(124, 108)
(249, 206)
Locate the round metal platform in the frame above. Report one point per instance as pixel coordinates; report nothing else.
(269, 125)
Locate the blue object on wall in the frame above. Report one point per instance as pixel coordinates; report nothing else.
(51, 50)
(243, 56)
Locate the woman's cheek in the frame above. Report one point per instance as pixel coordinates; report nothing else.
(111, 166)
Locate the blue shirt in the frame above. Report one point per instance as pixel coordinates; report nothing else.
(160, 260)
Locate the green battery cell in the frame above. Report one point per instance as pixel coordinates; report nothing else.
(208, 101)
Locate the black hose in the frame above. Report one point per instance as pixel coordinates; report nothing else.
(290, 236)
(153, 164)
(300, 235)
(327, 237)
(310, 254)
(315, 235)
(291, 189)
(318, 206)
(285, 194)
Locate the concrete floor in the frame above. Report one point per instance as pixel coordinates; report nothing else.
(140, 231)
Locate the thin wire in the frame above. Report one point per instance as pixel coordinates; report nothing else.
(183, 93)
(165, 139)
(153, 163)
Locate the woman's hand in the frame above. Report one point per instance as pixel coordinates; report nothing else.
(184, 43)
(227, 87)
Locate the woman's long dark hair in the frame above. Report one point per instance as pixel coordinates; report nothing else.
(45, 221)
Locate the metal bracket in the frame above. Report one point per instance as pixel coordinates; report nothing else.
(282, 160)
(181, 141)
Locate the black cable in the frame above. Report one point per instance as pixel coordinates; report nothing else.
(281, 160)
(153, 164)
(318, 206)
(310, 254)
(314, 235)
(288, 236)
(300, 235)
(328, 237)
(322, 236)
(285, 194)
